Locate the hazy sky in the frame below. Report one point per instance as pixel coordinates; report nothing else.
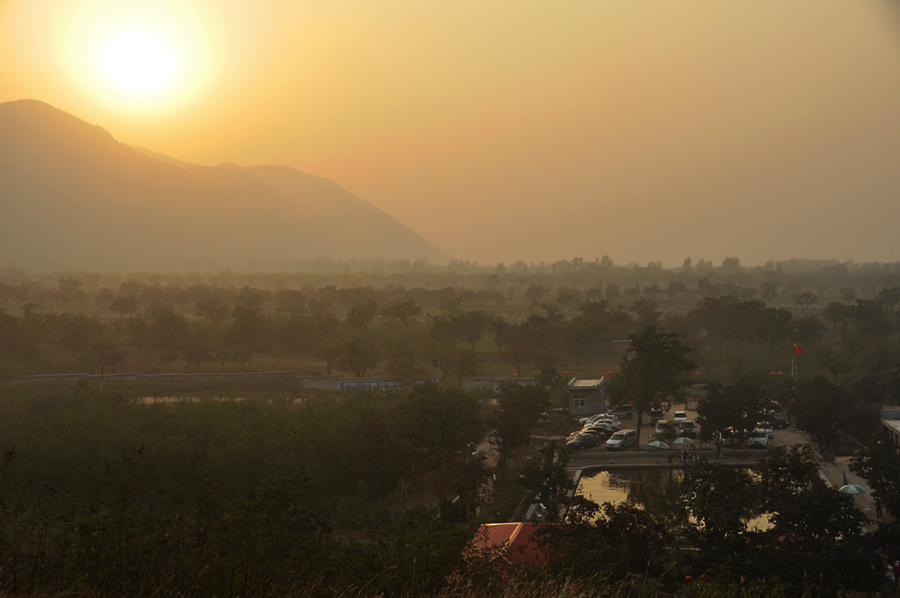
(505, 130)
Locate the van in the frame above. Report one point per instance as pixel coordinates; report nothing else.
(621, 440)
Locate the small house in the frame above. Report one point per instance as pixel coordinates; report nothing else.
(586, 397)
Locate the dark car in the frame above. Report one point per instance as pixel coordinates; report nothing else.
(584, 441)
(732, 437)
(600, 430)
(779, 423)
(687, 429)
(656, 415)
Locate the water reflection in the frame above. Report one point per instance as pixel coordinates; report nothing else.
(656, 490)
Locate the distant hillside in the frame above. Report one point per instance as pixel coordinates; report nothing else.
(71, 196)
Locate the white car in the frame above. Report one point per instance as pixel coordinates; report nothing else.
(759, 438)
(622, 439)
(768, 428)
(605, 424)
(680, 416)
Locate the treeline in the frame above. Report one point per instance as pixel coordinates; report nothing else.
(362, 331)
(563, 282)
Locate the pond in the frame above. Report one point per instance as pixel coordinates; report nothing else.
(656, 490)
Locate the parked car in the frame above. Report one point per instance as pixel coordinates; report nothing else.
(779, 423)
(759, 438)
(607, 424)
(732, 437)
(584, 441)
(600, 430)
(687, 429)
(623, 411)
(680, 416)
(656, 415)
(621, 440)
(768, 428)
(590, 419)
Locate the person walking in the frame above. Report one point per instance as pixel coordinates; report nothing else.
(897, 572)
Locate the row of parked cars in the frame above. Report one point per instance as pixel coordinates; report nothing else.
(758, 437)
(604, 428)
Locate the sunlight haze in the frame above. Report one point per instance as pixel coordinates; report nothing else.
(505, 130)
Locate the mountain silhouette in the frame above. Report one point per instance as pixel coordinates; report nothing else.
(73, 197)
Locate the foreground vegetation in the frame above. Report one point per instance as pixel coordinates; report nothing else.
(100, 495)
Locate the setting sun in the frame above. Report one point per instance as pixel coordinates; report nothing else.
(138, 57)
(138, 61)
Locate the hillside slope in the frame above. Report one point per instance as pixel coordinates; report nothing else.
(71, 196)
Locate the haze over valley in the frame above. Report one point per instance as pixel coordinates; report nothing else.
(348, 299)
(642, 130)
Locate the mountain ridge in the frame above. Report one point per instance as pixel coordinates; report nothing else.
(72, 196)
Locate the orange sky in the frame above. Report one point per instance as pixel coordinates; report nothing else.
(508, 130)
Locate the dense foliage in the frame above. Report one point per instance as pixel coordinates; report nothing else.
(241, 490)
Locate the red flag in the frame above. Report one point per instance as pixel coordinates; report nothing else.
(797, 348)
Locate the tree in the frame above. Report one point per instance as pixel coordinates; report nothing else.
(734, 406)
(362, 314)
(167, 330)
(102, 355)
(242, 356)
(290, 301)
(889, 297)
(462, 362)
(124, 304)
(654, 369)
(329, 353)
(405, 359)
(198, 350)
(804, 299)
(808, 517)
(76, 331)
(406, 311)
(719, 498)
(768, 290)
(212, 309)
(534, 293)
(518, 409)
(647, 312)
(438, 423)
(470, 325)
(819, 406)
(359, 356)
(879, 464)
(518, 344)
(249, 328)
(610, 541)
(549, 482)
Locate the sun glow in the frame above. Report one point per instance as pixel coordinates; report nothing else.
(139, 61)
(141, 56)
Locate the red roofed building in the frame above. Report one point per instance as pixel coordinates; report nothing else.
(513, 543)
